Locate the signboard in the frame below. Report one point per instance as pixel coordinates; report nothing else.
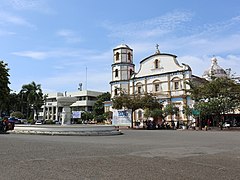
(195, 112)
(122, 117)
(76, 114)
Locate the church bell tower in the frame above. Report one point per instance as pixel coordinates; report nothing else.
(122, 69)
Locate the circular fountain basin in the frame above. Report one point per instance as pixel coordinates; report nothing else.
(67, 130)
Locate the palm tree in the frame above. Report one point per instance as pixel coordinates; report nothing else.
(34, 97)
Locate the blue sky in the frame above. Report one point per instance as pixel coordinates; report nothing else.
(61, 43)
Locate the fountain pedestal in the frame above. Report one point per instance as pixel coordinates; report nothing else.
(65, 102)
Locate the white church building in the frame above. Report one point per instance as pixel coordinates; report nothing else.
(160, 74)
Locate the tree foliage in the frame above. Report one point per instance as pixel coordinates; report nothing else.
(216, 97)
(136, 102)
(32, 93)
(86, 116)
(98, 107)
(170, 109)
(157, 113)
(17, 114)
(4, 88)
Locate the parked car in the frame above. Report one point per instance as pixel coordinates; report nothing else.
(22, 121)
(226, 124)
(15, 120)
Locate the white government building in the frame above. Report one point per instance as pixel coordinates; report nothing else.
(160, 74)
(52, 108)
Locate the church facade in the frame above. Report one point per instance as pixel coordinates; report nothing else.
(160, 74)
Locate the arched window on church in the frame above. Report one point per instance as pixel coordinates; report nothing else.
(139, 89)
(156, 86)
(117, 56)
(139, 114)
(156, 64)
(129, 56)
(176, 84)
(116, 72)
(115, 92)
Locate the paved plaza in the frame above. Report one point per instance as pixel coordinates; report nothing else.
(137, 154)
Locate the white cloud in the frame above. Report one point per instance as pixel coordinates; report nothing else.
(6, 33)
(69, 35)
(48, 54)
(7, 18)
(32, 5)
(197, 64)
(31, 54)
(79, 56)
(201, 63)
(175, 33)
(149, 28)
(230, 61)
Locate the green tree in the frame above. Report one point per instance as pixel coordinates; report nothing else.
(17, 114)
(34, 97)
(151, 102)
(147, 113)
(98, 107)
(4, 89)
(171, 110)
(188, 112)
(157, 114)
(13, 103)
(216, 97)
(86, 116)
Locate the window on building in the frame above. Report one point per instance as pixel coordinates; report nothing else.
(81, 108)
(91, 98)
(139, 114)
(156, 63)
(82, 98)
(116, 72)
(157, 87)
(176, 85)
(117, 56)
(139, 90)
(115, 92)
(129, 56)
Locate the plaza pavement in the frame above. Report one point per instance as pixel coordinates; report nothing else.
(136, 154)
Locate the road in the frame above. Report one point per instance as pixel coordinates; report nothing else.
(137, 154)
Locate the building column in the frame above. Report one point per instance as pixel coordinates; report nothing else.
(44, 113)
(48, 112)
(52, 112)
(169, 87)
(146, 91)
(57, 114)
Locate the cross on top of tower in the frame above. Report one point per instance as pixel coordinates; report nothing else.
(157, 50)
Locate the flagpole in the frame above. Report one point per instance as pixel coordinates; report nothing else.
(86, 78)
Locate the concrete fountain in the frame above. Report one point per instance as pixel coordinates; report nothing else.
(65, 102)
(66, 128)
